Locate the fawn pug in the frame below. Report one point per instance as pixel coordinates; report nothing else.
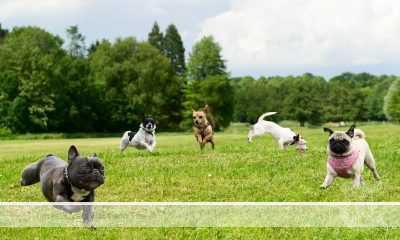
(348, 152)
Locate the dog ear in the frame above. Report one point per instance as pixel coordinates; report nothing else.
(350, 132)
(329, 130)
(94, 155)
(72, 153)
(206, 109)
(193, 110)
(295, 139)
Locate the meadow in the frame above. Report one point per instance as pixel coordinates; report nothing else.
(177, 171)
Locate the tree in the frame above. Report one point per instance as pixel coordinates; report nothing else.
(347, 99)
(3, 34)
(305, 100)
(205, 60)
(217, 92)
(137, 79)
(76, 46)
(156, 38)
(29, 76)
(208, 84)
(377, 96)
(392, 102)
(174, 50)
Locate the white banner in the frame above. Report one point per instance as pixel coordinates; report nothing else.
(203, 214)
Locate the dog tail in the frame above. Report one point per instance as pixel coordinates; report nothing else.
(30, 175)
(266, 114)
(358, 134)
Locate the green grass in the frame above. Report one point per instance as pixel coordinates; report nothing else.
(235, 172)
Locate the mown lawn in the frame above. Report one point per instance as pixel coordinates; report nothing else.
(235, 172)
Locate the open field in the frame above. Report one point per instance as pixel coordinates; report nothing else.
(235, 172)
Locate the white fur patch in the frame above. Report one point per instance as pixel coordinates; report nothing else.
(79, 194)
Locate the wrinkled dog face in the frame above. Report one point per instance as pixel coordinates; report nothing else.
(199, 118)
(340, 142)
(85, 172)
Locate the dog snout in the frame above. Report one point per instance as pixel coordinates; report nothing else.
(96, 172)
(197, 122)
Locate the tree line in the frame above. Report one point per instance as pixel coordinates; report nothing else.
(308, 98)
(48, 84)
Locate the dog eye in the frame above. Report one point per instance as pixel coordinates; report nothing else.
(194, 117)
(201, 117)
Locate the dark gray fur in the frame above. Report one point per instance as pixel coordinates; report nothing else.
(57, 179)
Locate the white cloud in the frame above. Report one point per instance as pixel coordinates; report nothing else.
(21, 8)
(307, 33)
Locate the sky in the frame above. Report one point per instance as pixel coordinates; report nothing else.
(258, 37)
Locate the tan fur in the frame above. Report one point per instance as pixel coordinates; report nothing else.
(365, 158)
(202, 133)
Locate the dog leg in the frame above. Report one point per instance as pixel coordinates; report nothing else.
(200, 140)
(370, 162)
(208, 138)
(254, 133)
(153, 145)
(148, 147)
(362, 183)
(281, 145)
(250, 136)
(122, 147)
(67, 208)
(357, 179)
(87, 215)
(328, 180)
(30, 175)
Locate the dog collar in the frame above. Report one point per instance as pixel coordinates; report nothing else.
(203, 128)
(341, 164)
(149, 132)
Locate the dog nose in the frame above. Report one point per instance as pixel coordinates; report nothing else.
(96, 172)
(197, 122)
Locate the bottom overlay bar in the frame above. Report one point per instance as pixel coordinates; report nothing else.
(205, 215)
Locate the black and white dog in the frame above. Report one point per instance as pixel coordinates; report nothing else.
(145, 138)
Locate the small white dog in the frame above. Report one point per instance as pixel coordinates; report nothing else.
(284, 136)
(348, 152)
(145, 138)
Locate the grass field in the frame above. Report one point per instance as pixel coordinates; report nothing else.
(235, 172)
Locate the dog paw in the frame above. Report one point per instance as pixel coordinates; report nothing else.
(322, 187)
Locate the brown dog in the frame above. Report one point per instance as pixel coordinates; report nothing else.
(202, 128)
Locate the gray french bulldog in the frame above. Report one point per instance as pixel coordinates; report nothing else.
(72, 182)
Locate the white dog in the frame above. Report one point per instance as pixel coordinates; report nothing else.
(284, 136)
(348, 152)
(145, 138)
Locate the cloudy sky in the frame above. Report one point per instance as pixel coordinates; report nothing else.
(258, 37)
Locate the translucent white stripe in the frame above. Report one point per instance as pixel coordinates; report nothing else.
(206, 214)
(205, 203)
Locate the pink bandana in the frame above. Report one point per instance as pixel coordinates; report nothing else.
(341, 164)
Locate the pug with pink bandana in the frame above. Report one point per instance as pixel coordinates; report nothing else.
(348, 152)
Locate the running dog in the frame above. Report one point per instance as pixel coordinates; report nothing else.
(284, 136)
